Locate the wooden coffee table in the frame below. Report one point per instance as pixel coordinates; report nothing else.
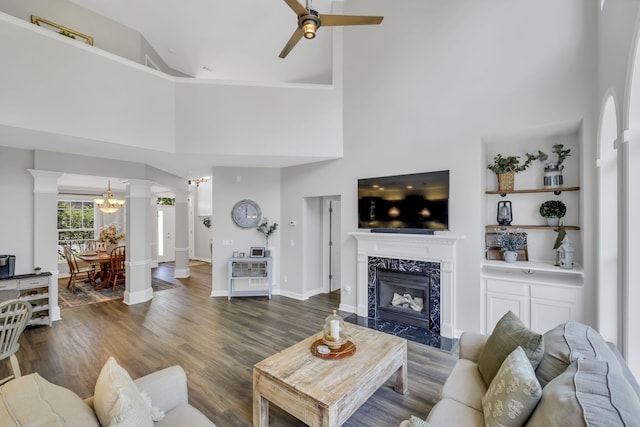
(323, 392)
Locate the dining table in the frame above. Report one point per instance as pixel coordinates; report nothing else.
(97, 259)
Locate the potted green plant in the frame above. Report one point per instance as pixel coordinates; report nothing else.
(505, 169)
(553, 170)
(553, 210)
(510, 242)
(37, 270)
(267, 230)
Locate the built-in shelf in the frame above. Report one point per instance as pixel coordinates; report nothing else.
(556, 191)
(533, 266)
(530, 227)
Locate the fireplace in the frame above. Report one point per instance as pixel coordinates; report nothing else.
(403, 297)
(418, 279)
(433, 255)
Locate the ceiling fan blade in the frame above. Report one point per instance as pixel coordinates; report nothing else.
(295, 38)
(334, 20)
(297, 7)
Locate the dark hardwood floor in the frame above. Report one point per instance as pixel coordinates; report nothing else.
(217, 342)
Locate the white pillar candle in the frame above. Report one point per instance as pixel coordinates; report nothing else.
(335, 329)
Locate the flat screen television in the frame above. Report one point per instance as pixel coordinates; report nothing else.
(412, 203)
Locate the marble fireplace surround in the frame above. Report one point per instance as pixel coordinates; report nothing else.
(440, 248)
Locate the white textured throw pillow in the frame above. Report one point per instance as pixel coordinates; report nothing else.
(513, 393)
(118, 402)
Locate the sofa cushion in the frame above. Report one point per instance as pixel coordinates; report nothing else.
(567, 343)
(31, 400)
(117, 400)
(508, 334)
(465, 384)
(513, 394)
(184, 415)
(449, 412)
(593, 393)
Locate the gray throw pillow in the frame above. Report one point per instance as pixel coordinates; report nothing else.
(567, 343)
(513, 394)
(508, 334)
(588, 393)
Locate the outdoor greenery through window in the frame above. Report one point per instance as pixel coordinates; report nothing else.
(75, 223)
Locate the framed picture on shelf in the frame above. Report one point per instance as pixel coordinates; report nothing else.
(494, 252)
(256, 252)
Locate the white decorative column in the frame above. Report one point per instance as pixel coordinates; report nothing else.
(45, 226)
(182, 234)
(153, 218)
(138, 263)
(440, 248)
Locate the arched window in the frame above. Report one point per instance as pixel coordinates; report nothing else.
(608, 260)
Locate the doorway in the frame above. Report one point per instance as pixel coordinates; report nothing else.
(166, 234)
(331, 243)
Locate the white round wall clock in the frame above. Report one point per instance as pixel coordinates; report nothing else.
(246, 214)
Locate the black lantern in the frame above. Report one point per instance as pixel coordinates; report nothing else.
(505, 215)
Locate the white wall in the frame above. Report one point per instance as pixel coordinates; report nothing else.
(234, 120)
(427, 94)
(231, 185)
(16, 216)
(86, 93)
(66, 87)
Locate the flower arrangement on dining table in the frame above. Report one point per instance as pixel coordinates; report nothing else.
(110, 234)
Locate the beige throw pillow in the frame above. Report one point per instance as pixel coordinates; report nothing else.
(118, 402)
(508, 334)
(513, 394)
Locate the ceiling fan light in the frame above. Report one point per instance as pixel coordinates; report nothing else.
(309, 27)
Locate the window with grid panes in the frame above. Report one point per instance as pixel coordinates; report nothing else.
(75, 223)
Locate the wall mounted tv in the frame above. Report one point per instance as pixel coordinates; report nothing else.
(413, 203)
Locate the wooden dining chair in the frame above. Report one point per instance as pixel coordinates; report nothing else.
(14, 317)
(75, 269)
(116, 269)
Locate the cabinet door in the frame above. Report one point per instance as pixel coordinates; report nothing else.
(505, 295)
(551, 306)
(499, 304)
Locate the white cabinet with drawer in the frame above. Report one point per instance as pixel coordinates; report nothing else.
(33, 288)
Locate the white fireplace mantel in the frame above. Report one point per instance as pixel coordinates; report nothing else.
(439, 248)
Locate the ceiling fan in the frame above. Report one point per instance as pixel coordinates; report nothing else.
(310, 20)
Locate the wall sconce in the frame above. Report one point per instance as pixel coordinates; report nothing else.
(505, 214)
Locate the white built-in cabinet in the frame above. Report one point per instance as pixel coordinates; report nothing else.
(541, 298)
(540, 293)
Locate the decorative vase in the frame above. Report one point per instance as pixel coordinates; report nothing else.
(510, 256)
(553, 175)
(506, 181)
(553, 221)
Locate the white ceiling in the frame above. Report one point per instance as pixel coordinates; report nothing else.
(236, 39)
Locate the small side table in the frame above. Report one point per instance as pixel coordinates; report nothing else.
(252, 270)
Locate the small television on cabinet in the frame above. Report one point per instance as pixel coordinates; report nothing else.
(411, 203)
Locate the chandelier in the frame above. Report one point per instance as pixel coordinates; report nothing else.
(197, 181)
(110, 205)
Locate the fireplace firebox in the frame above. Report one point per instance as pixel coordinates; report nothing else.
(403, 297)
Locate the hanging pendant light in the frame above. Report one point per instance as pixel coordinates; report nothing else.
(110, 205)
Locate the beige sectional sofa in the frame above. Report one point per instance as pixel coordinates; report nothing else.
(575, 378)
(159, 399)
